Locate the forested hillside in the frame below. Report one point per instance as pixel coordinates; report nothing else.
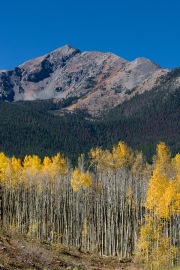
(26, 130)
(45, 128)
(118, 206)
(151, 116)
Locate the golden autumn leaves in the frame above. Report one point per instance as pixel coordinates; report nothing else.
(80, 179)
(156, 244)
(104, 160)
(120, 155)
(108, 204)
(15, 170)
(163, 195)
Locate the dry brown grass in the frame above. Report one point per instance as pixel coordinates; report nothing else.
(29, 254)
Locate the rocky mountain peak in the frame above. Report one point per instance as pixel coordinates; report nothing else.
(97, 79)
(65, 49)
(144, 65)
(62, 52)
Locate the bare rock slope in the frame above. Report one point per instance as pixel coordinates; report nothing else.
(99, 80)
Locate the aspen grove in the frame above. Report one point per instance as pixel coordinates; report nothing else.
(119, 205)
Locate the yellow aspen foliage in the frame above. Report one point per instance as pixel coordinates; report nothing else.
(122, 155)
(154, 248)
(46, 162)
(172, 198)
(149, 234)
(163, 202)
(16, 170)
(10, 170)
(156, 200)
(140, 168)
(176, 184)
(16, 166)
(102, 159)
(138, 165)
(176, 162)
(163, 152)
(96, 154)
(46, 165)
(47, 168)
(162, 160)
(80, 179)
(58, 165)
(4, 163)
(163, 195)
(105, 160)
(32, 163)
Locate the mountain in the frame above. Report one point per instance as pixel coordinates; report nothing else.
(36, 127)
(112, 99)
(151, 117)
(95, 80)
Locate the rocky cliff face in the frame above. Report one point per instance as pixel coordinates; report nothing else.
(99, 80)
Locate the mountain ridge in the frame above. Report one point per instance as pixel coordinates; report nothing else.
(99, 80)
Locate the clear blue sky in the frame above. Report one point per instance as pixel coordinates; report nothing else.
(128, 28)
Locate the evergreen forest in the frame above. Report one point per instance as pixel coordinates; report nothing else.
(43, 127)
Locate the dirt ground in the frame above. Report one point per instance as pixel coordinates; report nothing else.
(21, 253)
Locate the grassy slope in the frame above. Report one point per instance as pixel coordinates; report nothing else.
(20, 253)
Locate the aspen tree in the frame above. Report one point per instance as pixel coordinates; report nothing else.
(80, 179)
(99, 209)
(3, 161)
(159, 242)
